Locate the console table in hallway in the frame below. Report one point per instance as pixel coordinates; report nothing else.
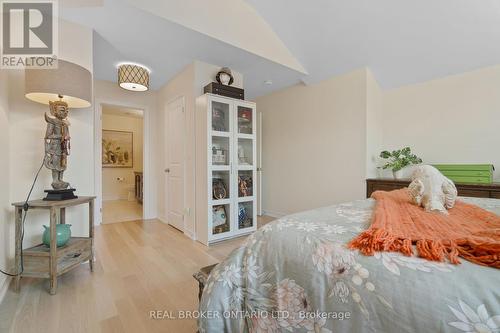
(41, 261)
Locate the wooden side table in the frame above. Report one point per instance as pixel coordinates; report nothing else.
(41, 261)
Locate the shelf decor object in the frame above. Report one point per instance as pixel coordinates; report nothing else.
(224, 90)
(50, 262)
(226, 206)
(133, 77)
(398, 160)
(67, 86)
(224, 76)
(63, 234)
(467, 173)
(218, 188)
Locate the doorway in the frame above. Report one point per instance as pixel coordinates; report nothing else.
(122, 164)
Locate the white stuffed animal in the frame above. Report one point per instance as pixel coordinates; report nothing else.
(431, 190)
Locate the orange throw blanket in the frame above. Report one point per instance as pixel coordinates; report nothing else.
(468, 231)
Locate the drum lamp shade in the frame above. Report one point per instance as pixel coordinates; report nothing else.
(133, 77)
(68, 82)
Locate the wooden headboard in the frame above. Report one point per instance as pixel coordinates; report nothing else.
(465, 190)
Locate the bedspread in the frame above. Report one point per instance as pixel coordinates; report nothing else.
(296, 275)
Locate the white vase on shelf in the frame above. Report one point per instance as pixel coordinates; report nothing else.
(398, 174)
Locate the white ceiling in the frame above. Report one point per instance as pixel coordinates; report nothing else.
(402, 41)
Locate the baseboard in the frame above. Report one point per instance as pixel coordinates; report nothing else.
(4, 287)
(271, 213)
(189, 234)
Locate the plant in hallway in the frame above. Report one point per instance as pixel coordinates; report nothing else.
(399, 159)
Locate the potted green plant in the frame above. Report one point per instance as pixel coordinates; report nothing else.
(398, 160)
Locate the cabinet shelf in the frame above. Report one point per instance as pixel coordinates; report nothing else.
(246, 199)
(245, 136)
(41, 250)
(221, 134)
(220, 202)
(221, 168)
(245, 167)
(36, 258)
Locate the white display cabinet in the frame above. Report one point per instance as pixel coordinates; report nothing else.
(226, 171)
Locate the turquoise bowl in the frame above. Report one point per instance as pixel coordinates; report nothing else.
(63, 234)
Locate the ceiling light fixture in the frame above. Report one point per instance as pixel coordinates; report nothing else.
(133, 77)
(268, 82)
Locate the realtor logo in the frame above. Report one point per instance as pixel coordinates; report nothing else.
(29, 34)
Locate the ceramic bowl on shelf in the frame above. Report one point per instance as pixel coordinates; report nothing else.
(63, 234)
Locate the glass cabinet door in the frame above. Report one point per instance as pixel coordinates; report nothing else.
(221, 151)
(221, 117)
(246, 217)
(221, 220)
(245, 120)
(245, 183)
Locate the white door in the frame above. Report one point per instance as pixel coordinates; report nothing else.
(174, 164)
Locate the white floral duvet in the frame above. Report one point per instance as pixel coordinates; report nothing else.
(295, 275)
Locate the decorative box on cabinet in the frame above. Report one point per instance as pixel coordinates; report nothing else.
(226, 151)
(468, 173)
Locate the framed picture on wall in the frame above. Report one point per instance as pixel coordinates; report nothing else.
(117, 149)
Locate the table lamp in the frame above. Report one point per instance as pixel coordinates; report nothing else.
(67, 86)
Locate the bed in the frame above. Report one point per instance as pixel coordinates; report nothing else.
(295, 275)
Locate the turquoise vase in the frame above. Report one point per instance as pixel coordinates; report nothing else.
(63, 234)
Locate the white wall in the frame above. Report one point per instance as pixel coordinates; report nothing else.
(374, 123)
(314, 144)
(109, 93)
(6, 227)
(112, 187)
(75, 44)
(450, 120)
(315, 138)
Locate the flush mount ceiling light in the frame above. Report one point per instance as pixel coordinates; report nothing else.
(133, 77)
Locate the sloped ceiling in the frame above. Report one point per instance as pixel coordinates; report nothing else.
(231, 21)
(402, 41)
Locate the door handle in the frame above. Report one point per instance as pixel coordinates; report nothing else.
(167, 170)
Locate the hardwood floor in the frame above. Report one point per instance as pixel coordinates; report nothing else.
(141, 266)
(121, 211)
